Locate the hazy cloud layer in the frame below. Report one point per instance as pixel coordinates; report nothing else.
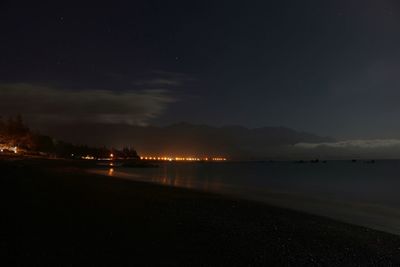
(361, 149)
(376, 143)
(49, 104)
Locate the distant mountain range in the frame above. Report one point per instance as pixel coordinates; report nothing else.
(185, 139)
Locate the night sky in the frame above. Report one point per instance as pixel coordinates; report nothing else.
(327, 67)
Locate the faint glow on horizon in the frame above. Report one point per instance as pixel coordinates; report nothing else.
(372, 143)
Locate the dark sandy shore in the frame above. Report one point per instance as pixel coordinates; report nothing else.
(59, 216)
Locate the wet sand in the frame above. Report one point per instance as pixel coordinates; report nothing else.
(58, 215)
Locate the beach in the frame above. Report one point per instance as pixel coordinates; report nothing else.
(55, 214)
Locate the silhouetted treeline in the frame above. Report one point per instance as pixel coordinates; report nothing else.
(14, 133)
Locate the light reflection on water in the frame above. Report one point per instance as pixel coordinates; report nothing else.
(181, 178)
(365, 194)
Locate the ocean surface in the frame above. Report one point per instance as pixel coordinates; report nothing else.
(354, 192)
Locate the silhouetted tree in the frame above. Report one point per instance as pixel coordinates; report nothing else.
(129, 153)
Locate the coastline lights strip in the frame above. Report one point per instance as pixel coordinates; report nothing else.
(183, 158)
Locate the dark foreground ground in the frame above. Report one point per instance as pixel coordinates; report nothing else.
(59, 216)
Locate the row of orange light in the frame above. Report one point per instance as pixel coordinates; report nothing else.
(182, 159)
(218, 159)
(86, 157)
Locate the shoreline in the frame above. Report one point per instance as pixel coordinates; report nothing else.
(58, 215)
(363, 214)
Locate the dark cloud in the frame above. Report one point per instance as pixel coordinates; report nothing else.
(160, 82)
(160, 78)
(44, 104)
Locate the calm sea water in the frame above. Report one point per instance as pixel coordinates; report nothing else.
(358, 193)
